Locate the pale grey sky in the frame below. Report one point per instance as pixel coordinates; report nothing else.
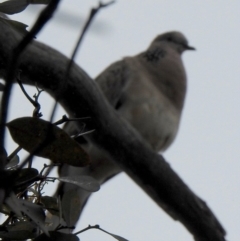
(206, 152)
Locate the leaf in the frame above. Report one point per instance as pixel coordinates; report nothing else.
(85, 182)
(33, 211)
(47, 140)
(57, 236)
(71, 207)
(13, 6)
(53, 222)
(51, 204)
(20, 231)
(18, 26)
(13, 162)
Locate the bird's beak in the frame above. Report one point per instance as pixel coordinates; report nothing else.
(189, 47)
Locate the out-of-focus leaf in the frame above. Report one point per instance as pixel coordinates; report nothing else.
(47, 140)
(20, 231)
(18, 26)
(13, 162)
(33, 211)
(71, 207)
(53, 222)
(57, 236)
(50, 203)
(13, 6)
(85, 182)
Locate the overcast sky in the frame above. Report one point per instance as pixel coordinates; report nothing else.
(206, 152)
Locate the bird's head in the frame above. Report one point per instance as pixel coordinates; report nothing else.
(173, 39)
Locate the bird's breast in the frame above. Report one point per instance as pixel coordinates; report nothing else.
(154, 117)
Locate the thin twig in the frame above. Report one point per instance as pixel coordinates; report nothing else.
(66, 119)
(87, 228)
(85, 28)
(82, 134)
(48, 166)
(24, 91)
(98, 227)
(93, 12)
(36, 111)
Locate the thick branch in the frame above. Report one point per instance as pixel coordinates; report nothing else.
(80, 96)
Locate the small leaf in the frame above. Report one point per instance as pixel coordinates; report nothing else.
(13, 162)
(71, 207)
(12, 203)
(13, 6)
(57, 236)
(51, 204)
(53, 222)
(47, 140)
(20, 231)
(33, 211)
(85, 182)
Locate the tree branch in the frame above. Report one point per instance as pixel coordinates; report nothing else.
(46, 66)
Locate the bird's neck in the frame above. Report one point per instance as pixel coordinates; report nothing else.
(169, 75)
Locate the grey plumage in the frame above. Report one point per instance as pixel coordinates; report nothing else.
(148, 90)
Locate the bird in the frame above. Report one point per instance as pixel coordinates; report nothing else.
(147, 90)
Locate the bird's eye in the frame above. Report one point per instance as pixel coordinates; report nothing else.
(169, 39)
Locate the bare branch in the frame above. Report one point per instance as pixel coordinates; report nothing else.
(114, 135)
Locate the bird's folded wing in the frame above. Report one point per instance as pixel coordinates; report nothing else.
(113, 80)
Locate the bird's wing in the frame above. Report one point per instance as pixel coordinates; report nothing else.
(112, 82)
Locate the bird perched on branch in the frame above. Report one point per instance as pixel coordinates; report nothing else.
(147, 90)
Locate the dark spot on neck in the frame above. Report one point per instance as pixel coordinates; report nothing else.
(154, 55)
